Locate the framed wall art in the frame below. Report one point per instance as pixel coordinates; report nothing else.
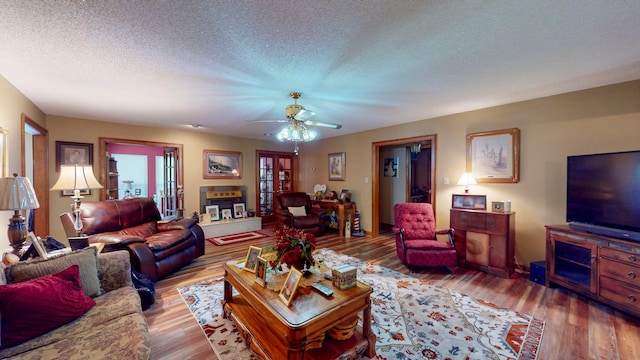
(494, 156)
(217, 164)
(466, 201)
(337, 166)
(72, 153)
(391, 167)
(4, 160)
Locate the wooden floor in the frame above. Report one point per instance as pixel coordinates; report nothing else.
(575, 327)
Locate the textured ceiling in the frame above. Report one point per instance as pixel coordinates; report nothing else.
(363, 64)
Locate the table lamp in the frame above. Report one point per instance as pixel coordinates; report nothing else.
(467, 179)
(17, 194)
(76, 177)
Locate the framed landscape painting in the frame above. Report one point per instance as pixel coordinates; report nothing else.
(494, 156)
(217, 164)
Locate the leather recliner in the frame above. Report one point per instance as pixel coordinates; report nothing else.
(312, 221)
(156, 248)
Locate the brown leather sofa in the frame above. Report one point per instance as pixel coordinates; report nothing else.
(156, 248)
(312, 221)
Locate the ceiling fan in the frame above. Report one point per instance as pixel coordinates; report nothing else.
(298, 118)
(297, 115)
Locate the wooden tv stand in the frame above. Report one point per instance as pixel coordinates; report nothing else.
(603, 268)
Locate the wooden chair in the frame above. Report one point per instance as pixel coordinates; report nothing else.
(416, 242)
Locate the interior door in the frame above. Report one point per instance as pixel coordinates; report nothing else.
(169, 201)
(275, 176)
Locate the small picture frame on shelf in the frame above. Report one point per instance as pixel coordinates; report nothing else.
(466, 201)
(251, 261)
(204, 218)
(226, 214)
(213, 211)
(261, 271)
(239, 210)
(288, 290)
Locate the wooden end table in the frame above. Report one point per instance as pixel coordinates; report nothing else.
(274, 331)
(342, 210)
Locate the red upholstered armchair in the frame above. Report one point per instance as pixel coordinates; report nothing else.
(416, 242)
(294, 210)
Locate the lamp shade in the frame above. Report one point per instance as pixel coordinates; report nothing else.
(467, 179)
(17, 193)
(76, 177)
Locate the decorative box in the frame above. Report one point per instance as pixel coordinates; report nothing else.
(344, 276)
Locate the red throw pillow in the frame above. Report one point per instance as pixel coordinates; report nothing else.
(35, 307)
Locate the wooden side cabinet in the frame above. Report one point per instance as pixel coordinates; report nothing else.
(600, 267)
(485, 240)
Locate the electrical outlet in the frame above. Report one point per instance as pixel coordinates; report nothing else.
(446, 180)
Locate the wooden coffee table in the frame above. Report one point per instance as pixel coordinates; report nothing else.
(274, 331)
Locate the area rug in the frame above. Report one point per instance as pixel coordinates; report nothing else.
(411, 319)
(236, 238)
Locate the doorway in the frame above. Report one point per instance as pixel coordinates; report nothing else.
(414, 178)
(35, 140)
(143, 169)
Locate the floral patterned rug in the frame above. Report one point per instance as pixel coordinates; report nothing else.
(411, 319)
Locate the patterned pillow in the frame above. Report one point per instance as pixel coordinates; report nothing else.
(86, 259)
(35, 307)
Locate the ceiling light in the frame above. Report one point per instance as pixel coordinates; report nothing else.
(296, 132)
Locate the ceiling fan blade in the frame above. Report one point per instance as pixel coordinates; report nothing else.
(303, 114)
(323, 124)
(268, 121)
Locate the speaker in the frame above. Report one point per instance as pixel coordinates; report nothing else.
(537, 272)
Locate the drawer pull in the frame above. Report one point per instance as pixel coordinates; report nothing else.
(632, 258)
(632, 298)
(631, 274)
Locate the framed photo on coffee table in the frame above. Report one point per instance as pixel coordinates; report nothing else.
(290, 286)
(251, 261)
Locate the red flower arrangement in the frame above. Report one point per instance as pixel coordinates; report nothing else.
(294, 248)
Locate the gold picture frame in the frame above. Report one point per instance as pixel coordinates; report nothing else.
(218, 164)
(261, 271)
(4, 159)
(494, 156)
(251, 260)
(288, 290)
(337, 166)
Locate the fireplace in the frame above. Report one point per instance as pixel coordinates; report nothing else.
(223, 196)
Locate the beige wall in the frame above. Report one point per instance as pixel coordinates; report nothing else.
(12, 105)
(193, 141)
(592, 121)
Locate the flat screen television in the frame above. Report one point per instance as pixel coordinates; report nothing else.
(603, 194)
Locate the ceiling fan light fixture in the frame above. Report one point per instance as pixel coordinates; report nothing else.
(296, 132)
